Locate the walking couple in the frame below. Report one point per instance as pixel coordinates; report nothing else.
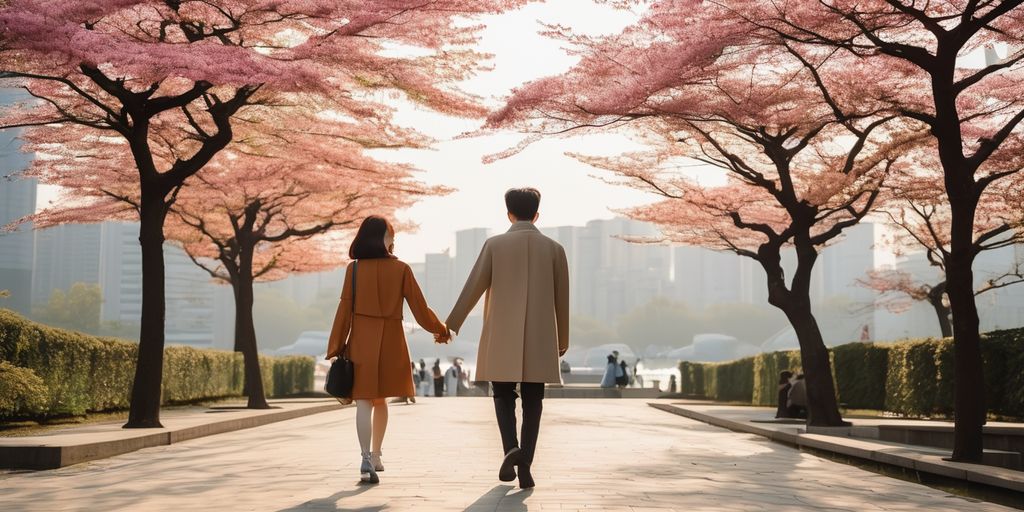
(525, 276)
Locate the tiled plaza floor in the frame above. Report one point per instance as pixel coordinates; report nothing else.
(443, 454)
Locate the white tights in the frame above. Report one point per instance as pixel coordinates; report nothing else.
(367, 428)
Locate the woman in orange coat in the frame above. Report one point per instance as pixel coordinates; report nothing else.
(373, 328)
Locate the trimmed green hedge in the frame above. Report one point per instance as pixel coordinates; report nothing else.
(691, 382)
(913, 378)
(20, 389)
(859, 370)
(291, 375)
(766, 374)
(1003, 352)
(79, 373)
(730, 382)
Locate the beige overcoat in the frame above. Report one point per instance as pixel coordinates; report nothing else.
(377, 345)
(526, 311)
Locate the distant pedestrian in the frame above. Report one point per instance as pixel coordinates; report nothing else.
(608, 380)
(438, 379)
(451, 380)
(622, 375)
(672, 383)
(798, 398)
(426, 381)
(782, 411)
(416, 381)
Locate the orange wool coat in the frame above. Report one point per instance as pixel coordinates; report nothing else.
(378, 349)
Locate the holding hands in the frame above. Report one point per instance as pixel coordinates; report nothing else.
(445, 337)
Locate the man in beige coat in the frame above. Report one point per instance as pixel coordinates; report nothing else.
(526, 324)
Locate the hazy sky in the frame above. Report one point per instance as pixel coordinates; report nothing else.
(570, 192)
(571, 195)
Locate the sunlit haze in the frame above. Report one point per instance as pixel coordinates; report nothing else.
(573, 193)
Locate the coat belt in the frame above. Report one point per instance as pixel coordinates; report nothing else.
(399, 317)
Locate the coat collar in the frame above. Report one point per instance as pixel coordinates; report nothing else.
(523, 225)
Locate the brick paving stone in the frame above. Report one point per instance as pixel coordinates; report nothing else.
(443, 454)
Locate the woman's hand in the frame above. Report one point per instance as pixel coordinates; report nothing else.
(444, 337)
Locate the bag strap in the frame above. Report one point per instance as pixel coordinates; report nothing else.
(355, 267)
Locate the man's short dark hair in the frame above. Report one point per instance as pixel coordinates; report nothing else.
(523, 203)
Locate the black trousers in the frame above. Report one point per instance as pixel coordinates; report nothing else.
(505, 410)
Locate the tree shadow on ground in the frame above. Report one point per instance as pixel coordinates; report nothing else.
(499, 496)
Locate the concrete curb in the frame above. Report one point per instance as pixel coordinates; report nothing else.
(59, 450)
(906, 458)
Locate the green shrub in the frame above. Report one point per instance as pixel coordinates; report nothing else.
(766, 370)
(192, 374)
(81, 373)
(72, 365)
(22, 392)
(1003, 352)
(727, 382)
(292, 375)
(860, 373)
(945, 363)
(733, 381)
(710, 382)
(912, 378)
(691, 382)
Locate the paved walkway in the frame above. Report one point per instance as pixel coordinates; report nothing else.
(54, 448)
(442, 454)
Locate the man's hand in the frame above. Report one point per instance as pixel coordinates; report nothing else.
(445, 337)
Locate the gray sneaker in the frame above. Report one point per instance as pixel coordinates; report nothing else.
(367, 473)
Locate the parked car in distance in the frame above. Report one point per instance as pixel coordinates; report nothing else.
(309, 343)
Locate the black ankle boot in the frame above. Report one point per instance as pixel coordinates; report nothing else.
(532, 411)
(505, 411)
(507, 473)
(525, 477)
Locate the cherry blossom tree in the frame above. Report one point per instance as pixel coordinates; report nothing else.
(257, 219)
(798, 168)
(173, 81)
(920, 210)
(972, 110)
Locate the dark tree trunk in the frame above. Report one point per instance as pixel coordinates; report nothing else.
(822, 407)
(144, 409)
(969, 384)
(942, 312)
(963, 195)
(795, 302)
(154, 200)
(245, 330)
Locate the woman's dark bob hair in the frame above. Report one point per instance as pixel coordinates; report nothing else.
(369, 240)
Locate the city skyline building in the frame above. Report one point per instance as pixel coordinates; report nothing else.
(438, 282)
(468, 244)
(54, 270)
(17, 200)
(192, 309)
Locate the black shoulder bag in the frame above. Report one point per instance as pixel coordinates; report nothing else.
(341, 375)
